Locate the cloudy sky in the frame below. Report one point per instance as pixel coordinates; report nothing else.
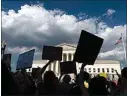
(29, 24)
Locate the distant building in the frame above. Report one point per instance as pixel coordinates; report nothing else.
(107, 66)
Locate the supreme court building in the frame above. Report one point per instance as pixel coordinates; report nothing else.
(107, 66)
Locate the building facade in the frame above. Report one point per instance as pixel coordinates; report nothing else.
(107, 66)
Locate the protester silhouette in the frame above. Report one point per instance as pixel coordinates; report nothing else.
(44, 83)
(122, 83)
(9, 86)
(97, 86)
(66, 79)
(21, 83)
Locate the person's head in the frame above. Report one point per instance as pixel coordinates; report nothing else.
(124, 79)
(103, 74)
(6, 63)
(57, 80)
(86, 76)
(114, 85)
(49, 79)
(119, 82)
(97, 86)
(35, 73)
(75, 91)
(77, 79)
(66, 79)
(124, 73)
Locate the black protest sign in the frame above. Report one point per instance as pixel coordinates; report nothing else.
(35, 72)
(88, 48)
(68, 67)
(52, 53)
(7, 60)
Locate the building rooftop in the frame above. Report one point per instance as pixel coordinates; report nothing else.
(72, 45)
(107, 62)
(39, 61)
(96, 62)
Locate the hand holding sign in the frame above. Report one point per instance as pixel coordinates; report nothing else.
(87, 50)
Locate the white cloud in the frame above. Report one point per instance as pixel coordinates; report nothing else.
(57, 12)
(110, 12)
(38, 25)
(19, 50)
(35, 26)
(82, 16)
(117, 53)
(109, 49)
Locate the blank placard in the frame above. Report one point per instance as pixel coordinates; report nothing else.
(25, 60)
(68, 67)
(88, 48)
(52, 53)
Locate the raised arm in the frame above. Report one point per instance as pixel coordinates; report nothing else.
(60, 77)
(117, 73)
(81, 81)
(44, 68)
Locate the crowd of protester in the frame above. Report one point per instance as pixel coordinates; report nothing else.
(24, 84)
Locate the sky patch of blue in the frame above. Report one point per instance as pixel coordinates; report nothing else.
(90, 7)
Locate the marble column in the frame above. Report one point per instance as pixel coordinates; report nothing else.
(77, 67)
(62, 57)
(47, 68)
(67, 57)
(59, 72)
(72, 57)
(52, 66)
(56, 68)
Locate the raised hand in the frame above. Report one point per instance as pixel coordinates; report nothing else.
(81, 81)
(44, 68)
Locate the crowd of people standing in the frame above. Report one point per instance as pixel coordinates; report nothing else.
(24, 84)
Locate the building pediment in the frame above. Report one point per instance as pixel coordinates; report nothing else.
(67, 46)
